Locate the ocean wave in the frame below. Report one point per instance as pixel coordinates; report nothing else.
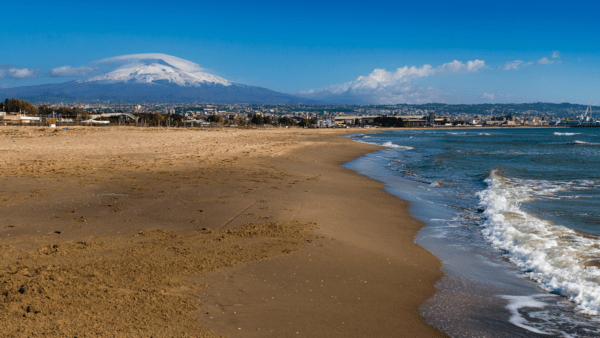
(566, 134)
(485, 134)
(389, 144)
(562, 260)
(585, 143)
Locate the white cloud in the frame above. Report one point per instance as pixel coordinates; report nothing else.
(459, 67)
(68, 71)
(512, 65)
(19, 73)
(488, 96)
(381, 78)
(544, 61)
(383, 86)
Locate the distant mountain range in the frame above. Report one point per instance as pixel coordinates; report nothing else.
(152, 78)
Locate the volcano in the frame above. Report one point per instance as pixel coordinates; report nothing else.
(151, 78)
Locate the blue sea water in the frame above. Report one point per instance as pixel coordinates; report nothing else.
(514, 215)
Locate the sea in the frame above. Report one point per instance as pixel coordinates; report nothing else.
(514, 216)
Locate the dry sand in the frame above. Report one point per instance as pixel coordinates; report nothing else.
(133, 232)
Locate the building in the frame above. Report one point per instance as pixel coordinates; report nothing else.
(17, 118)
(325, 123)
(429, 120)
(354, 119)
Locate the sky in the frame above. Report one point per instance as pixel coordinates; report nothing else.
(384, 51)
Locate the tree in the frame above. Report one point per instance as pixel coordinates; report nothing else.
(45, 110)
(176, 120)
(152, 119)
(215, 119)
(16, 105)
(160, 119)
(258, 119)
(287, 121)
(306, 123)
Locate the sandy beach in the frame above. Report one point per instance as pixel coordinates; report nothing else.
(139, 232)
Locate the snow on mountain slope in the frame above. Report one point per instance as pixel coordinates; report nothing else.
(154, 68)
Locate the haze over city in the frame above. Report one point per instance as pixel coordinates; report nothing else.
(383, 52)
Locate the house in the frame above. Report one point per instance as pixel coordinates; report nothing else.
(325, 123)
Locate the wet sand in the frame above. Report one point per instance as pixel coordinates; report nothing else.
(189, 233)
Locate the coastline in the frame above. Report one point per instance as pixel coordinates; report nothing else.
(483, 291)
(359, 272)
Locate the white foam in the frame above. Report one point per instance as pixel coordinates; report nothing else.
(485, 134)
(544, 314)
(517, 302)
(566, 134)
(552, 255)
(389, 144)
(585, 143)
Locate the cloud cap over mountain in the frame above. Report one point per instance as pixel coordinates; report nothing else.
(152, 68)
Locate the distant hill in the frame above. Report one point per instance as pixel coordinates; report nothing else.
(159, 92)
(559, 109)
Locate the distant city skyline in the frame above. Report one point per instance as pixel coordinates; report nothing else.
(381, 51)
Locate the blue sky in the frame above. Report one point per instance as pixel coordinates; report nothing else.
(531, 50)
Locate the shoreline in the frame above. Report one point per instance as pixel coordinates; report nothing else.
(374, 252)
(274, 185)
(482, 292)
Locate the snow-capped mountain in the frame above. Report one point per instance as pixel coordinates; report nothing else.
(155, 68)
(150, 78)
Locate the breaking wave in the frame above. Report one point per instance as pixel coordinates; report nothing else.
(561, 260)
(585, 143)
(391, 145)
